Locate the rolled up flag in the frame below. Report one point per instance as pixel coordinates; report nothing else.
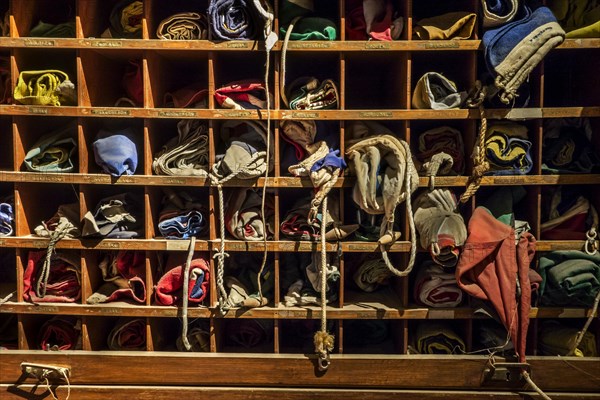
(183, 26)
(128, 334)
(372, 20)
(125, 20)
(568, 216)
(498, 12)
(53, 152)
(436, 287)
(371, 275)
(557, 339)
(567, 147)
(63, 284)
(238, 19)
(45, 88)
(243, 214)
(7, 219)
(242, 95)
(579, 18)
(308, 93)
(115, 152)
(61, 333)
(182, 216)
(115, 217)
(435, 91)
(185, 154)
(169, 287)
(437, 338)
(443, 139)
(124, 275)
(453, 25)
(508, 149)
(306, 25)
(198, 336)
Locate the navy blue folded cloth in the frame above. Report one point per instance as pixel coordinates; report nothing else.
(182, 216)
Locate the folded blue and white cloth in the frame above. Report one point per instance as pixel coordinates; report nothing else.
(7, 218)
(182, 216)
(115, 152)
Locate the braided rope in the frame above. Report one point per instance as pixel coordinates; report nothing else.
(185, 294)
(481, 164)
(61, 232)
(588, 322)
(284, 48)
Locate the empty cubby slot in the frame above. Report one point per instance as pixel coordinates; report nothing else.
(114, 146)
(568, 78)
(178, 79)
(6, 90)
(242, 88)
(432, 20)
(46, 144)
(439, 337)
(372, 336)
(112, 78)
(457, 70)
(31, 195)
(168, 13)
(102, 19)
(60, 63)
(374, 81)
(179, 212)
(38, 18)
(246, 335)
(57, 333)
(317, 74)
(6, 152)
(9, 332)
(130, 197)
(297, 335)
(8, 275)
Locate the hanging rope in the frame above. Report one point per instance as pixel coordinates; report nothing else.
(586, 326)
(62, 230)
(535, 387)
(323, 340)
(185, 295)
(481, 165)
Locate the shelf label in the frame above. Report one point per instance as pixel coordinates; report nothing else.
(361, 247)
(451, 44)
(40, 244)
(106, 43)
(238, 45)
(178, 245)
(40, 42)
(46, 309)
(441, 314)
(375, 114)
(46, 178)
(111, 310)
(377, 45)
(126, 179)
(37, 110)
(238, 114)
(299, 114)
(107, 111)
(178, 114)
(176, 181)
(110, 245)
(95, 179)
(309, 45)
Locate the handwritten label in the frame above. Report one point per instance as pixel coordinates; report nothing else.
(40, 42)
(126, 179)
(377, 45)
(96, 179)
(441, 314)
(238, 114)
(524, 113)
(305, 115)
(309, 45)
(178, 245)
(112, 310)
(442, 45)
(110, 245)
(375, 114)
(361, 247)
(47, 309)
(175, 181)
(236, 246)
(178, 114)
(107, 43)
(38, 110)
(105, 111)
(47, 178)
(238, 45)
(509, 180)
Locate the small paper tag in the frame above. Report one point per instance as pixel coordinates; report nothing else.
(271, 40)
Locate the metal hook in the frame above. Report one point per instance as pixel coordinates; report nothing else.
(323, 362)
(591, 247)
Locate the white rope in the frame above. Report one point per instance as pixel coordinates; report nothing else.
(581, 333)
(7, 297)
(185, 294)
(66, 376)
(284, 48)
(535, 387)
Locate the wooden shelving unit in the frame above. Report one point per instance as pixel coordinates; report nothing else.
(376, 80)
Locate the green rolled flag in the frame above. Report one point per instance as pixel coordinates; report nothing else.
(307, 27)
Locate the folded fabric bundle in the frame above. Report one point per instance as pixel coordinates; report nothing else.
(242, 95)
(249, 333)
(64, 223)
(7, 219)
(115, 217)
(385, 174)
(53, 152)
(569, 278)
(43, 29)
(239, 19)
(498, 12)
(194, 96)
(567, 147)
(124, 275)
(45, 88)
(436, 287)
(183, 26)
(368, 226)
(507, 149)
(241, 281)
(442, 140)
(115, 152)
(170, 286)
(557, 339)
(187, 153)
(128, 334)
(441, 228)
(579, 18)
(5, 81)
(125, 20)
(453, 25)
(307, 93)
(62, 278)
(298, 287)
(182, 216)
(60, 333)
(301, 135)
(436, 92)
(491, 335)
(371, 275)
(198, 336)
(246, 150)
(133, 82)
(437, 338)
(243, 218)
(376, 20)
(569, 215)
(514, 49)
(364, 332)
(306, 26)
